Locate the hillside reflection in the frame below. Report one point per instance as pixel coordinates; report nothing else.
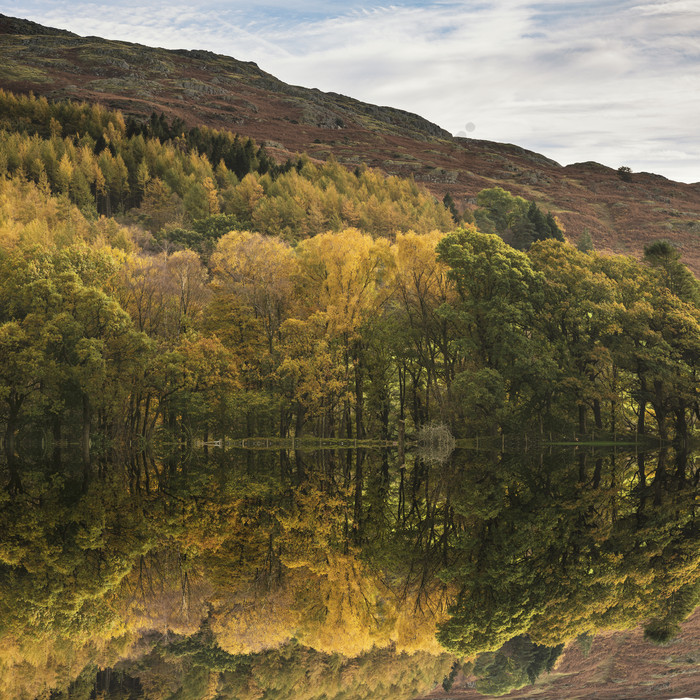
(251, 574)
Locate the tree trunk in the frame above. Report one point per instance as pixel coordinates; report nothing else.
(348, 421)
(661, 422)
(581, 467)
(597, 414)
(384, 419)
(659, 478)
(660, 409)
(357, 524)
(10, 432)
(681, 426)
(641, 417)
(402, 392)
(85, 441)
(14, 403)
(597, 473)
(359, 400)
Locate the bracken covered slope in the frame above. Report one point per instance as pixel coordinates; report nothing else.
(201, 87)
(618, 666)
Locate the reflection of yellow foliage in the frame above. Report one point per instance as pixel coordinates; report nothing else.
(250, 624)
(326, 599)
(342, 611)
(414, 631)
(31, 666)
(311, 530)
(160, 594)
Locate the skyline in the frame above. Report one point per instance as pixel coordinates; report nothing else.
(616, 83)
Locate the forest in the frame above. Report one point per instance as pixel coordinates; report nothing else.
(145, 286)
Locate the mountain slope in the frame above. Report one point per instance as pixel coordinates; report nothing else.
(620, 664)
(201, 87)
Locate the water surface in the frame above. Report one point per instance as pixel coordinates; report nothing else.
(335, 573)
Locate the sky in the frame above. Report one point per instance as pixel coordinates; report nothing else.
(617, 82)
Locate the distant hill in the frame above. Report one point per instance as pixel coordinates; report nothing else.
(200, 87)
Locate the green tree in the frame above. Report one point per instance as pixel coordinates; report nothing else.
(499, 298)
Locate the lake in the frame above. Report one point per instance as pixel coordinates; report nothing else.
(184, 572)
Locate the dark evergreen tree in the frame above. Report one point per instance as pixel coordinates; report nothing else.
(450, 205)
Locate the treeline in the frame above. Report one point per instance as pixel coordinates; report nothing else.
(30, 115)
(194, 667)
(161, 181)
(342, 335)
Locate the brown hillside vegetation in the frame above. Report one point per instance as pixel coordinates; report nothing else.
(201, 87)
(618, 665)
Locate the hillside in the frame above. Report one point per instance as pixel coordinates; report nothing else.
(201, 87)
(618, 665)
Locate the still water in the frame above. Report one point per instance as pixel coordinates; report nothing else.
(247, 574)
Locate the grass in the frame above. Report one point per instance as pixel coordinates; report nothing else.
(13, 71)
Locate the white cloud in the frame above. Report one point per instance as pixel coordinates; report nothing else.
(575, 80)
(680, 7)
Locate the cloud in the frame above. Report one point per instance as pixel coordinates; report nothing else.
(576, 80)
(688, 7)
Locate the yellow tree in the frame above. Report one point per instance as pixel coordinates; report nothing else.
(258, 270)
(426, 358)
(312, 383)
(242, 199)
(345, 279)
(189, 283)
(141, 290)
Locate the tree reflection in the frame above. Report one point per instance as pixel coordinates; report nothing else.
(213, 569)
(567, 549)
